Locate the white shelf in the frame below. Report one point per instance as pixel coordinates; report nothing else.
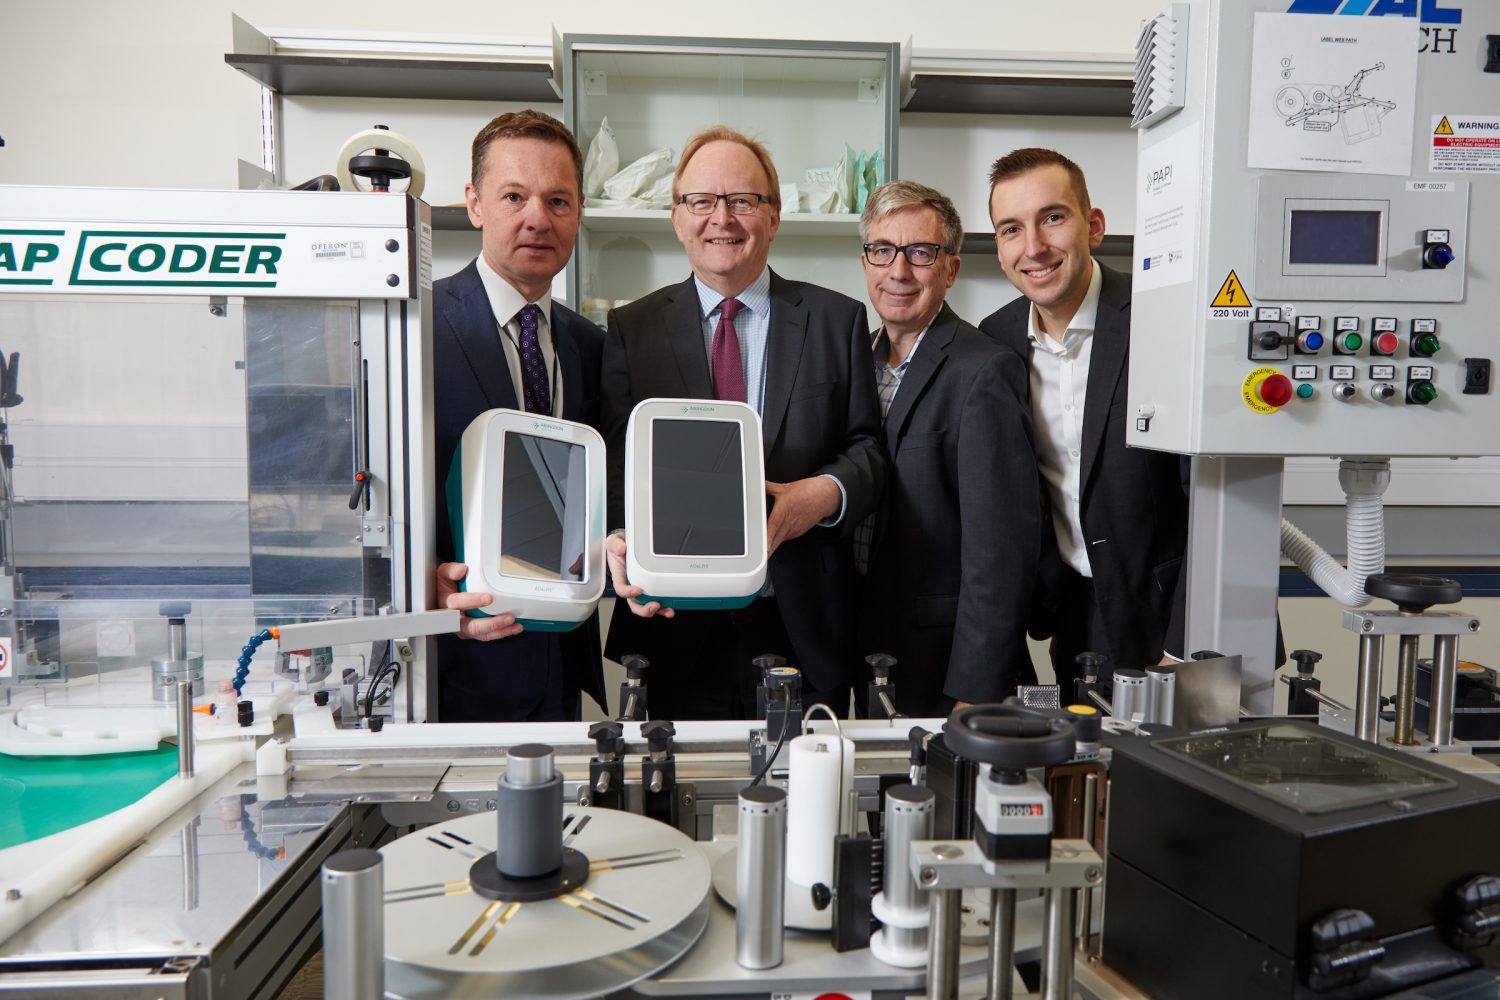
(635, 220)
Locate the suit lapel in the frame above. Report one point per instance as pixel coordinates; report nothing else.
(682, 328)
(473, 323)
(924, 366)
(1106, 363)
(570, 367)
(783, 352)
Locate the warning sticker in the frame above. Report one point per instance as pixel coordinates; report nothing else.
(1465, 144)
(1232, 301)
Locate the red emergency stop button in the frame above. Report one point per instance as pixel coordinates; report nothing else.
(1275, 390)
(1266, 390)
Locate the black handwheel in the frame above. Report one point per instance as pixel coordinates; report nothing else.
(1009, 737)
(1413, 593)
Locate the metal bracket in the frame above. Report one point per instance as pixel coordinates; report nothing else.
(1395, 623)
(375, 532)
(954, 864)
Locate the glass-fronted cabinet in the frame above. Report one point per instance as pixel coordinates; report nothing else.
(827, 112)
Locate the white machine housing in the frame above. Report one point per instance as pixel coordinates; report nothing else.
(1192, 361)
(491, 537)
(728, 569)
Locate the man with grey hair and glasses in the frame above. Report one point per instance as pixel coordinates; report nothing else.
(950, 554)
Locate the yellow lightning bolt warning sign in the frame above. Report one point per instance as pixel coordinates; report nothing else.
(1231, 294)
(1443, 127)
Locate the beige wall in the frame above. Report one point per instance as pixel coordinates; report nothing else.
(137, 94)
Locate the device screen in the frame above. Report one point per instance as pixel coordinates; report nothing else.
(697, 488)
(1324, 236)
(543, 509)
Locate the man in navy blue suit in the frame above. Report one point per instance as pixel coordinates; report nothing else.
(500, 341)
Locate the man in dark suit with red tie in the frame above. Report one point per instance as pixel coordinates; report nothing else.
(798, 354)
(499, 341)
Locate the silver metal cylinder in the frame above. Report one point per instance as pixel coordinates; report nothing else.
(1131, 695)
(177, 639)
(944, 924)
(1441, 692)
(1058, 946)
(1406, 692)
(1367, 688)
(184, 729)
(528, 765)
(1162, 680)
(909, 810)
(760, 878)
(353, 926)
(1002, 956)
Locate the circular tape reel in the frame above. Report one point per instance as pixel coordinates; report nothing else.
(379, 138)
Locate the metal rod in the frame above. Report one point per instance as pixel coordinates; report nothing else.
(942, 944)
(1058, 946)
(1002, 957)
(1406, 692)
(1086, 899)
(1441, 693)
(1317, 696)
(185, 729)
(1367, 688)
(353, 926)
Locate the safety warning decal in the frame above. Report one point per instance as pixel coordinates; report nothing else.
(1232, 301)
(6, 667)
(1465, 144)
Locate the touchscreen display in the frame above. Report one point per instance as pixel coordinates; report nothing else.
(697, 488)
(543, 509)
(1322, 236)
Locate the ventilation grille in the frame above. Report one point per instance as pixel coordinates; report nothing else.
(1160, 67)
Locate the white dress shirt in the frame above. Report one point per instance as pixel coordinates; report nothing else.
(506, 303)
(1059, 384)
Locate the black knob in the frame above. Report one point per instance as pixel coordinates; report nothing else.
(1413, 593)
(607, 737)
(658, 733)
(918, 740)
(246, 712)
(635, 665)
(766, 662)
(821, 896)
(881, 664)
(1090, 664)
(1087, 723)
(377, 723)
(1270, 340)
(320, 698)
(1436, 256)
(1306, 658)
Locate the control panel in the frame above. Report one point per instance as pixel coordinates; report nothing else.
(1330, 295)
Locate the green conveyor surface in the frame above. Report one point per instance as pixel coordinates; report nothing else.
(40, 796)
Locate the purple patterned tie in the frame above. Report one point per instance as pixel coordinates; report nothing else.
(533, 365)
(729, 371)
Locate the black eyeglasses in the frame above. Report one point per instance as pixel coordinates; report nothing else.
(740, 202)
(917, 254)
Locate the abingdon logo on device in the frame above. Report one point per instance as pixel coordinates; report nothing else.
(137, 258)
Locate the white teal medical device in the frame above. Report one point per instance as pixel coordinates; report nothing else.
(525, 498)
(695, 503)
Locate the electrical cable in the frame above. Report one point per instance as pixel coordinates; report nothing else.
(786, 704)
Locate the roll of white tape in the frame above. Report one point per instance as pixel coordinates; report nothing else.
(819, 782)
(379, 138)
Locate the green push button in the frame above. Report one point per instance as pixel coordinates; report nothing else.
(1304, 391)
(1352, 342)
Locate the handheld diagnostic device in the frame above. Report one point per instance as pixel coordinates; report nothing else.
(695, 503)
(525, 498)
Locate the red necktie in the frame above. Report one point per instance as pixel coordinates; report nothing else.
(729, 373)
